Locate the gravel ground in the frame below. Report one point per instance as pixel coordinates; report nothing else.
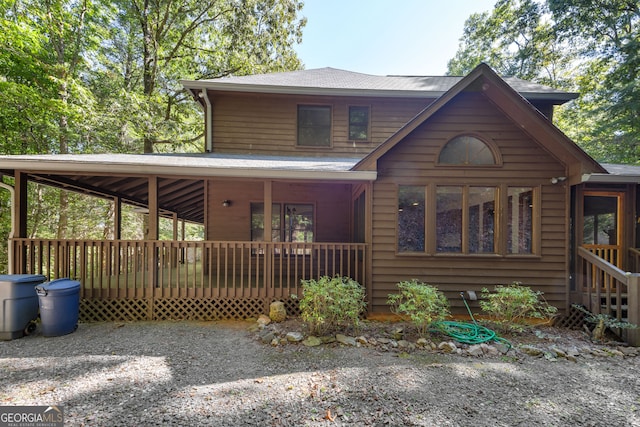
(219, 374)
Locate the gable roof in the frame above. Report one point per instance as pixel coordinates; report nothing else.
(513, 105)
(332, 81)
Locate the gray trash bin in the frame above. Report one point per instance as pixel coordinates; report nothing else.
(18, 304)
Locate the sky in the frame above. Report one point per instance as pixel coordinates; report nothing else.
(385, 37)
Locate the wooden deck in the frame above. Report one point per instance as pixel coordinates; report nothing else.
(203, 280)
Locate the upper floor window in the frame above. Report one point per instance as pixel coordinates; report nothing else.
(358, 123)
(314, 126)
(467, 150)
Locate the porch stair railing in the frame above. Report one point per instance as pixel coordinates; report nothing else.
(244, 276)
(610, 290)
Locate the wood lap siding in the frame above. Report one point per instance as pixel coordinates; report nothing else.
(267, 124)
(525, 163)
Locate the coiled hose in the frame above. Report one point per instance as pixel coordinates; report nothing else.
(468, 333)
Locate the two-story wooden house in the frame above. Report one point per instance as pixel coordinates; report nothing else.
(462, 183)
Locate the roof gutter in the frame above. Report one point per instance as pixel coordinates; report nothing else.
(209, 121)
(79, 168)
(605, 178)
(328, 91)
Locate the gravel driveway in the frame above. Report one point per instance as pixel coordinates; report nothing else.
(218, 374)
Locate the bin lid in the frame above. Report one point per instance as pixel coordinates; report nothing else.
(59, 286)
(27, 279)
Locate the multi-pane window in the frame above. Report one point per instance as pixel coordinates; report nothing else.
(411, 231)
(297, 224)
(520, 220)
(314, 126)
(464, 220)
(358, 123)
(466, 150)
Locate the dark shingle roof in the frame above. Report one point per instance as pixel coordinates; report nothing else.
(333, 81)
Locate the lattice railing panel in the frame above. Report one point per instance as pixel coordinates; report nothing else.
(572, 320)
(113, 310)
(292, 307)
(207, 309)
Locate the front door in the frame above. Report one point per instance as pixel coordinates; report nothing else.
(602, 228)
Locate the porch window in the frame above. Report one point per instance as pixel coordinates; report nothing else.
(297, 225)
(314, 126)
(358, 123)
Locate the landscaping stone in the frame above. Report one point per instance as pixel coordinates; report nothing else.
(263, 320)
(294, 336)
(312, 341)
(277, 312)
(346, 340)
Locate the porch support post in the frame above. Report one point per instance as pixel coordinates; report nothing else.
(633, 308)
(117, 218)
(268, 212)
(368, 239)
(152, 234)
(20, 213)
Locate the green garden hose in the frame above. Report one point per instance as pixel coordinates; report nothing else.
(467, 333)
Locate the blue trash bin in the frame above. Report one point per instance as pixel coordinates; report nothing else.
(59, 306)
(18, 304)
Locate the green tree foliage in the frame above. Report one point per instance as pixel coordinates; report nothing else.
(592, 47)
(96, 76)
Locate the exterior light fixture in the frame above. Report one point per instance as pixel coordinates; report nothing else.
(557, 179)
(226, 203)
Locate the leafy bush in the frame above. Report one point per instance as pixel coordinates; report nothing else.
(420, 303)
(331, 302)
(513, 304)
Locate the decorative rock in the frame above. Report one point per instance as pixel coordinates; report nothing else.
(277, 311)
(614, 352)
(448, 347)
(489, 350)
(531, 351)
(362, 340)
(267, 337)
(422, 342)
(628, 351)
(404, 344)
(327, 339)
(294, 336)
(312, 341)
(502, 347)
(343, 339)
(264, 320)
(599, 353)
(275, 342)
(558, 352)
(397, 334)
(475, 350)
(384, 340)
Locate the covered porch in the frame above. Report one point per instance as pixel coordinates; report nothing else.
(318, 209)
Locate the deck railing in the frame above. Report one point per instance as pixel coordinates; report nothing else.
(610, 290)
(120, 269)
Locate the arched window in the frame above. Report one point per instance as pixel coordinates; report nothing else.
(467, 150)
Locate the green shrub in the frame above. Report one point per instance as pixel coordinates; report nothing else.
(513, 304)
(331, 302)
(419, 303)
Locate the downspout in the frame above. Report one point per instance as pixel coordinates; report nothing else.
(13, 224)
(208, 138)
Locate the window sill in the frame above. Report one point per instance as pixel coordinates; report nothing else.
(469, 256)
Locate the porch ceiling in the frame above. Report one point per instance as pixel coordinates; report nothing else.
(183, 196)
